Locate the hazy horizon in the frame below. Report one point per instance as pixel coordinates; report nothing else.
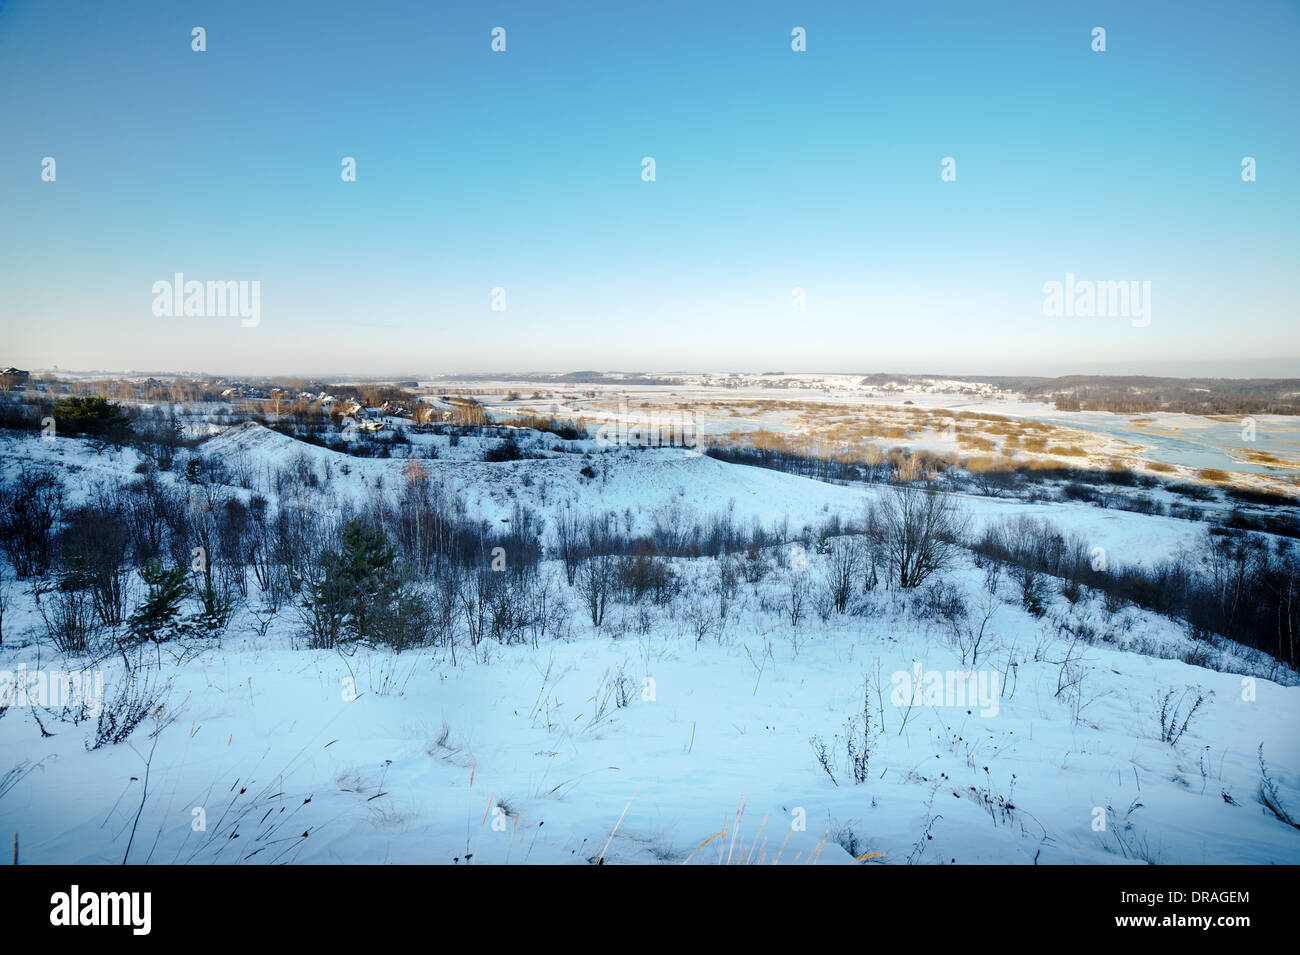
(1263, 368)
(783, 178)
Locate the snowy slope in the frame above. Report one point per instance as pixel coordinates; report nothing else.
(673, 484)
(515, 753)
(420, 764)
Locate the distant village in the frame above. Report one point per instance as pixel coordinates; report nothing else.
(367, 406)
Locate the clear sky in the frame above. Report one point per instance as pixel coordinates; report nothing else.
(774, 169)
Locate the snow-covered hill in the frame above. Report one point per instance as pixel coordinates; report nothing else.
(674, 732)
(670, 485)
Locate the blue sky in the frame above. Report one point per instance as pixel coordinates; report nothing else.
(775, 169)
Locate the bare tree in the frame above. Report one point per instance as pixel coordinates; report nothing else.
(568, 542)
(921, 529)
(597, 576)
(847, 562)
(596, 579)
(29, 508)
(796, 598)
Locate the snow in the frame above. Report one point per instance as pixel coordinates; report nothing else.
(523, 754)
(672, 484)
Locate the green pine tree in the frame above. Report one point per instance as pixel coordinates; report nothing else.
(94, 416)
(370, 564)
(155, 618)
(356, 586)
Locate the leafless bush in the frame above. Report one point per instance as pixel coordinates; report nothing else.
(407, 621)
(68, 613)
(822, 753)
(1128, 841)
(940, 600)
(596, 580)
(993, 576)
(927, 829)
(1269, 794)
(1175, 715)
(136, 699)
(971, 633)
(4, 602)
(96, 543)
(546, 612)
(726, 585)
(385, 672)
(796, 600)
(30, 506)
(615, 689)
(755, 564)
(700, 619)
(921, 532)
(568, 542)
(639, 576)
(858, 739)
(846, 565)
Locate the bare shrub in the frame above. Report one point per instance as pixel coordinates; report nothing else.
(922, 528)
(646, 575)
(845, 566)
(96, 543)
(136, 699)
(859, 739)
(1175, 715)
(700, 619)
(29, 508)
(596, 580)
(971, 631)
(796, 599)
(568, 542)
(755, 564)
(823, 755)
(68, 612)
(1270, 796)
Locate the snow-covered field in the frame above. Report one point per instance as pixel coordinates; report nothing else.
(673, 732)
